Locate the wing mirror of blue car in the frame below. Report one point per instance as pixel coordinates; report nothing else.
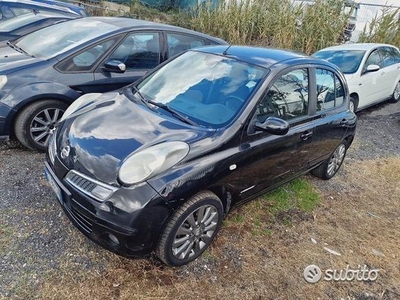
(114, 66)
(273, 126)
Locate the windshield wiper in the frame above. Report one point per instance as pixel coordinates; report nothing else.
(174, 113)
(19, 49)
(141, 97)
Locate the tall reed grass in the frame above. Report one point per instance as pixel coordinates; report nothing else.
(276, 23)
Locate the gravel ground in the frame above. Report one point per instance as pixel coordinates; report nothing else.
(35, 236)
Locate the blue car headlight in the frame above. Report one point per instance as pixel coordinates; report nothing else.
(151, 161)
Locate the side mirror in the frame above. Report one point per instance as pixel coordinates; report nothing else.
(273, 126)
(114, 66)
(372, 68)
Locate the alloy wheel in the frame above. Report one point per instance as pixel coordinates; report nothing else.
(336, 159)
(351, 106)
(396, 93)
(196, 232)
(43, 124)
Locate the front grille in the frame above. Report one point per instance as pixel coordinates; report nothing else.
(89, 186)
(80, 182)
(84, 222)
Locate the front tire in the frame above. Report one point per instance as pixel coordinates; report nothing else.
(35, 123)
(191, 229)
(353, 105)
(331, 166)
(396, 93)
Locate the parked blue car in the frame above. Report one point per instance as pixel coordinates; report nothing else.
(14, 28)
(12, 8)
(43, 72)
(78, 9)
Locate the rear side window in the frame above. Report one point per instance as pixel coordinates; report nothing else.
(330, 91)
(389, 56)
(178, 43)
(139, 51)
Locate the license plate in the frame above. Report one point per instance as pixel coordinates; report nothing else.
(53, 185)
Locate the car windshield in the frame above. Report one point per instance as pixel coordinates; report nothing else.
(54, 40)
(348, 61)
(19, 21)
(208, 89)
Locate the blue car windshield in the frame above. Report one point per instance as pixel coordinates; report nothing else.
(54, 40)
(348, 61)
(210, 90)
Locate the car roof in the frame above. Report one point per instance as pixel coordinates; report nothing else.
(42, 15)
(264, 57)
(38, 4)
(129, 23)
(357, 46)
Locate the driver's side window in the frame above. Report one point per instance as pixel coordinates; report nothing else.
(287, 98)
(373, 59)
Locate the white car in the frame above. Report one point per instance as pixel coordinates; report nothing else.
(372, 71)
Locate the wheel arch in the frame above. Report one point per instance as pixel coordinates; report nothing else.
(349, 139)
(356, 98)
(67, 97)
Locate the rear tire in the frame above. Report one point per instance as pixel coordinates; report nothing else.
(191, 229)
(396, 93)
(331, 166)
(35, 123)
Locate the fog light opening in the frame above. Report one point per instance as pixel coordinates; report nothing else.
(112, 240)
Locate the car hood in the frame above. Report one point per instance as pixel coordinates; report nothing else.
(100, 139)
(11, 59)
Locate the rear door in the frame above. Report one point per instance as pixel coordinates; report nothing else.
(390, 68)
(332, 117)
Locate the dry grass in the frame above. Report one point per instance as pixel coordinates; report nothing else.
(362, 223)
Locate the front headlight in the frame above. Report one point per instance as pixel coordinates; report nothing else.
(3, 81)
(151, 161)
(79, 103)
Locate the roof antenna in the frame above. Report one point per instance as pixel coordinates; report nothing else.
(226, 50)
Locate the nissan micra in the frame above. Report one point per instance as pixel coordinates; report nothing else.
(156, 166)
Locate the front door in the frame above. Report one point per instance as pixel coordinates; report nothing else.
(140, 52)
(270, 159)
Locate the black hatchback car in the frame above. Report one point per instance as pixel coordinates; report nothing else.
(43, 72)
(157, 165)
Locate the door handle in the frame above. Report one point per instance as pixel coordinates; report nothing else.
(306, 135)
(344, 122)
